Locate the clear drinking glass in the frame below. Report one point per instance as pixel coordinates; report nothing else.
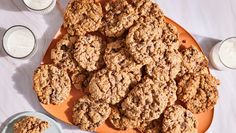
(223, 54)
(40, 6)
(19, 42)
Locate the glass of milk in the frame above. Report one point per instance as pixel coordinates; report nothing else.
(19, 42)
(40, 6)
(223, 54)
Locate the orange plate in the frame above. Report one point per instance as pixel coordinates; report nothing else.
(64, 111)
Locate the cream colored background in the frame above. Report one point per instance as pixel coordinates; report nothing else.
(208, 20)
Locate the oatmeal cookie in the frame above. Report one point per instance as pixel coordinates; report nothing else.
(118, 59)
(167, 68)
(187, 87)
(81, 80)
(88, 52)
(193, 62)
(109, 86)
(206, 96)
(148, 8)
(170, 37)
(88, 115)
(120, 121)
(83, 16)
(144, 44)
(62, 57)
(146, 101)
(52, 85)
(30, 124)
(120, 16)
(154, 126)
(148, 11)
(179, 120)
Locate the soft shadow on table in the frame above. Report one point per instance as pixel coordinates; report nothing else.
(7, 121)
(2, 52)
(13, 5)
(206, 43)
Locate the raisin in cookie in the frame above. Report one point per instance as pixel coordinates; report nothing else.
(148, 8)
(30, 124)
(61, 55)
(154, 126)
(146, 101)
(83, 16)
(167, 68)
(193, 62)
(109, 86)
(206, 95)
(121, 122)
(52, 85)
(88, 52)
(144, 44)
(187, 87)
(118, 59)
(179, 120)
(81, 80)
(120, 15)
(88, 115)
(170, 37)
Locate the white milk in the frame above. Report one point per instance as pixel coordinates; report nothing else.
(40, 6)
(227, 53)
(19, 42)
(223, 55)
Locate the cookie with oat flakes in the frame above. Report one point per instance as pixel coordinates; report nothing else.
(52, 85)
(118, 59)
(146, 101)
(88, 52)
(187, 87)
(120, 121)
(119, 17)
(144, 44)
(109, 86)
(193, 62)
(206, 95)
(30, 124)
(154, 126)
(82, 16)
(179, 120)
(166, 68)
(88, 115)
(62, 57)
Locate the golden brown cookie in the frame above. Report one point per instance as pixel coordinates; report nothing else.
(62, 56)
(82, 16)
(148, 8)
(88, 115)
(193, 62)
(52, 85)
(187, 87)
(30, 124)
(146, 101)
(121, 122)
(166, 68)
(88, 52)
(118, 59)
(154, 126)
(179, 120)
(120, 15)
(144, 44)
(206, 95)
(109, 86)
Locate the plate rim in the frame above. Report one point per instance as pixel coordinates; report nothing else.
(30, 113)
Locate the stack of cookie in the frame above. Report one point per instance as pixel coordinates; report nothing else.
(129, 63)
